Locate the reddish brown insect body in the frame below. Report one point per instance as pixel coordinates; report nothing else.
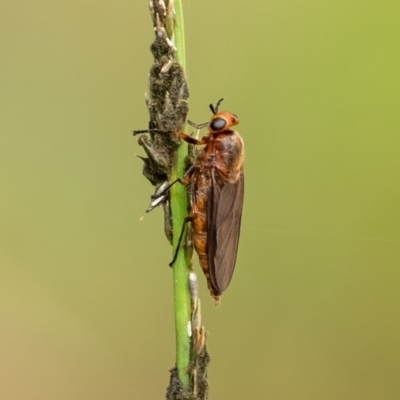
(216, 187)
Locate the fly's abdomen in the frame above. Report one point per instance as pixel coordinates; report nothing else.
(199, 236)
(199, 229)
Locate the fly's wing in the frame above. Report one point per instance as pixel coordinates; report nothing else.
(224, 212)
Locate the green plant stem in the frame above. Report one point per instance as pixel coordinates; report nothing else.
(179, 34)
(179, 212)
(180, 276)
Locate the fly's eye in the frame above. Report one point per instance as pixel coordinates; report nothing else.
(218, 124)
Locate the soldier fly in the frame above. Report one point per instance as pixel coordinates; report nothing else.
(216, 189)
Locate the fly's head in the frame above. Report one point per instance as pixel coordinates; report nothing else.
(222, 122)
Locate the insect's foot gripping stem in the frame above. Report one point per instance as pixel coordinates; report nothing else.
(166, 190)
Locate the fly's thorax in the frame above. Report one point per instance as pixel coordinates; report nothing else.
(229, 155)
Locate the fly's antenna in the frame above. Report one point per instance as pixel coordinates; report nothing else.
(215, 109)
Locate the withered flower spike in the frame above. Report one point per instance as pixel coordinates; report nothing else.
(167, 105)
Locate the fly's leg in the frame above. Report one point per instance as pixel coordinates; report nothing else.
(187, 220)
(168, 221)
(183, 181)
(198, 126)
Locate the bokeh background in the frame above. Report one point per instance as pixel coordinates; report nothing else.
(85, 291)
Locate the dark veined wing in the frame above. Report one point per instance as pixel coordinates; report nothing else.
(224, 213)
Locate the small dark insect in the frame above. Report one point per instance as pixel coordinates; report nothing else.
(216, 188)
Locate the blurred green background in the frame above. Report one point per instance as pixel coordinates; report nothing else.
(86, 300)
